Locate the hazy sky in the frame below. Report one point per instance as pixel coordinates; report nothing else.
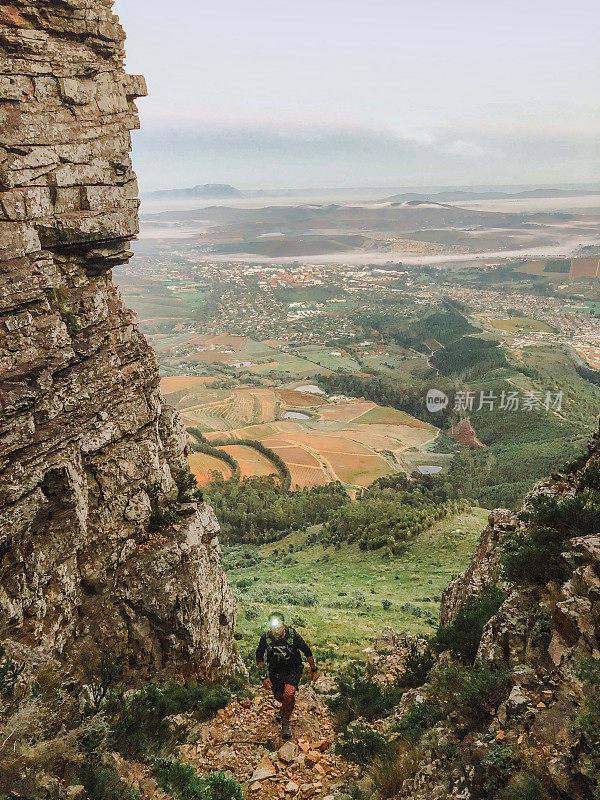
(275, 93)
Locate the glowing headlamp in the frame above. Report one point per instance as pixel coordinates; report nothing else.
(275, 622)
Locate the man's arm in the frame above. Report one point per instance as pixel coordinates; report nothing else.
(260, 651)
(304, 648)
(260, 661)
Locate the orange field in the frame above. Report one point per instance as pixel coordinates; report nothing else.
(292, 454)
(303, 399)
(175, 383)
(346, 411)
(585, 267)
(202, 465)
(250, 460)
(307, 476)
(390, 416)
(358, 468)
(355, 441)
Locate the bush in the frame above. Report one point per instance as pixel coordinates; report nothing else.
(160, 518)
(183, 783)
(103, 783)
(587, 722)
(361, 744)
(186, 484)
(475, 691)
(9, 672)
(102, 677)
(288, 596)
(498, 765)
(388, 774)
(532, 554)
(419, 718)
(142, 727)
(357, 696)
(463, 635)
(416, 668)
(523, 787)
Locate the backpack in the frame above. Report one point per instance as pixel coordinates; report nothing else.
(280, 649)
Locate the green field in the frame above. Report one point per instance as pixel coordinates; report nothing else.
(348, 587)
(521, 325)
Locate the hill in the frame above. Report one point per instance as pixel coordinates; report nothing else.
(464, 195)
(208, 191)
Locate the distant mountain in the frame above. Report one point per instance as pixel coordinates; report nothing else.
(458, 196)
(209, 191)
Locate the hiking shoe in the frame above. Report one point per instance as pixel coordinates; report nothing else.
(286, 730)
(278, 717)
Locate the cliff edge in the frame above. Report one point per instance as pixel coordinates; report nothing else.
(100, 545)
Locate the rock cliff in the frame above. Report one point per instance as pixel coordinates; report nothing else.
(99, 544)
(522, 721)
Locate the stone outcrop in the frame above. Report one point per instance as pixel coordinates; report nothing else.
(539, 639)
(392, 651)
(484, 568)
(99, 544)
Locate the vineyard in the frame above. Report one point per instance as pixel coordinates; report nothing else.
(349, 440)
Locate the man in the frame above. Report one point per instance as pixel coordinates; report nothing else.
(284, 648)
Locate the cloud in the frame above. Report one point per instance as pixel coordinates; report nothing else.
(279, 156)
(463, 147)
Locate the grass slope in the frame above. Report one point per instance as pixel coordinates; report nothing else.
(359, 581)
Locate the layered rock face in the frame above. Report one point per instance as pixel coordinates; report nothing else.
(97, 546)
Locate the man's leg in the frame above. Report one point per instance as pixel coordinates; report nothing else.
(288, 701)
(277, 687)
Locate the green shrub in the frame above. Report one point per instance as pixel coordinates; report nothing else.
(9, 672)
(102, 677)
(463, 635)
(183, 783)
(417, 667)
(419, 718)
(498, 765)
(186, 484)
(160, 518)
(71, 321)
(590, 478)
(522, 787)
(587, 722)
(389, 772)
(358, 696)
(532, 554)
(288, 596)
(475, 691)
(361, 744)
(142, 728)
(103, 783)
(540, 623)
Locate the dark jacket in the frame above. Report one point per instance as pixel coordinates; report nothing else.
(282, 653)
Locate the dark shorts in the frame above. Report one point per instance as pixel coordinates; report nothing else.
(290, 675)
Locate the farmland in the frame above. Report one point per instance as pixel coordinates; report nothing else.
(521, 325)
(351, 440)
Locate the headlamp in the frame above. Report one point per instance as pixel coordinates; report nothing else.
(275, 622)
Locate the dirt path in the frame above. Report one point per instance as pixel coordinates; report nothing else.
(245, 741)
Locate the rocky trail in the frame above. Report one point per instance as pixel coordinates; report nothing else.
(244, 741)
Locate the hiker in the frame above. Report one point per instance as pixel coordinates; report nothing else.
(283, 646)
